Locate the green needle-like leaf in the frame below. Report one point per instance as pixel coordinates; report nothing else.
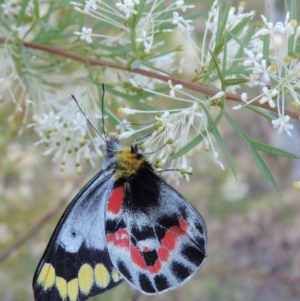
(272, 150)
(260, 112)
(234, 81)
(262, 166)
(224, 148)
(190, 145)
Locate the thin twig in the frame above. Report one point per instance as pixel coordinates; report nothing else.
(42, 221)
(151, 74)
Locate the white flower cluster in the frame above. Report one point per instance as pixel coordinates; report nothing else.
(11, 86)
(85, 34)
(135, 35)
(10, 11)
(279, 73)
(11, 8)
(235, 19)
(172, 131)
(127, 7)
(152, 21)
(67, 132)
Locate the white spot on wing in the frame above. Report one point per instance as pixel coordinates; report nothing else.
(147, 244)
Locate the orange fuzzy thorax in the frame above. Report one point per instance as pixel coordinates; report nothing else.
(127, 163)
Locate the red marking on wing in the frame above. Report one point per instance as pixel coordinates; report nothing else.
(115, 201)
(163, 254)
(137, 257)
(183, 225)
(171, 236)
(155, 268)
(168, 244)
(109, 238)
(119, 239)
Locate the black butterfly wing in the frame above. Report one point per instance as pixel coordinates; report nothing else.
(76, 264)
(156, 239)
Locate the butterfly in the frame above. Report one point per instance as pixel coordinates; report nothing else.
(125, 223)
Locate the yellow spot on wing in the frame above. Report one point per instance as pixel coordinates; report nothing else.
(101, 275)
(115, 275)
(61, 285)
(73, 289)
(85, 278)
(47, 276)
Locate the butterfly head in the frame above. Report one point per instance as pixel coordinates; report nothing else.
(112, 146)
(126, 160)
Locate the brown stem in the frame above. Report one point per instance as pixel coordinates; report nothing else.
(151, 74)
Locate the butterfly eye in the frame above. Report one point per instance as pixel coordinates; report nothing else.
(134, 148)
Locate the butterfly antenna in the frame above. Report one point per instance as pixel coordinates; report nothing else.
(172, 169)
(158, 149)
(141, 139)
(102, 109)
(87, 119)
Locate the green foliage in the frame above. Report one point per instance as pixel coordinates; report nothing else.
(149, 40)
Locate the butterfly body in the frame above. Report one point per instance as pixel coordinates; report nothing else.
(126, 223)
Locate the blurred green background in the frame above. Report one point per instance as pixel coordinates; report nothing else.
(253, 231)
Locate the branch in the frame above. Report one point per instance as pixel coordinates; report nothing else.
(151, 74)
